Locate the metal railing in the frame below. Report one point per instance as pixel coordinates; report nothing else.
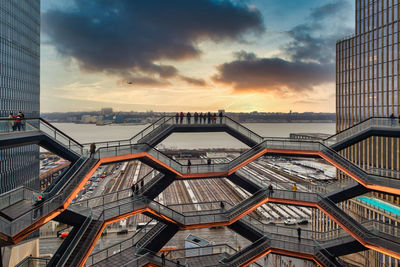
(40, 125)
(151, 257)
(248, 252)
(306, 187)
(117, 248)
(164, 123)
(148, 181)
(16, 195)
(49, 204)
(211, 212)
(75, 241)
(200, 251)
(197, 208)
(363, 230)
(149, 236)
(33, 262)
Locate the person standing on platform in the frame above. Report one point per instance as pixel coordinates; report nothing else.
(12, 124)
(294, 188)
(22, 116)
(196, 117)
(162, 258)
(299, 234)
(209, 164)
(189, 116)
(17, 122)
(392, 119)
(181, 115)
(133, 187)
(209, 117)
(189, 164)
(270, 190)
(220, 117)
(92, 149)
(200, 117)
(134, 190)
(176, 118)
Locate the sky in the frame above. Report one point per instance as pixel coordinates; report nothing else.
(197, 55)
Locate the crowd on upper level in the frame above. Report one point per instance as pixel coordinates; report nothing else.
(199, 118)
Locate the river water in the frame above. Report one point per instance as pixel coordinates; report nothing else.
(85, 133)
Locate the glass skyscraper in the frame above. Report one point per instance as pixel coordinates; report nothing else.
(19, 85)
(367, 85)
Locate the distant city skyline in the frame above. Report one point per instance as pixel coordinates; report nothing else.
(241, 56)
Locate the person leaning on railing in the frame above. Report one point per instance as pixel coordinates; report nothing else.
(17, 122)
(11, 121)
(23, 122)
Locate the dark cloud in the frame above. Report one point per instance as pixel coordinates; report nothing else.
(311, 53)
(193, 81)
(315, 40)
(131, 37)
(250, 73)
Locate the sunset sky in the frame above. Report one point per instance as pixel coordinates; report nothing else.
(197, 55)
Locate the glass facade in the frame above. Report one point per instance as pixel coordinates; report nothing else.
(367, 85)
(367, 65)
(19, 85)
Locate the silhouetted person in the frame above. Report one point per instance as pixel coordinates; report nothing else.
(220, 117)
(214, 116)
(196, 117)
(392, 119)
(92, 149)
(181, 115)
(200, 117)
(204, 118)
(299, 233)
(222, 205)
(270, 190)
(208, 161)
(188, 115)
(133, 187)
(22, 116)
(142, 183)
(189, 163)
(176, 118)
(178, 263)
(209, 117)
(162, 258)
